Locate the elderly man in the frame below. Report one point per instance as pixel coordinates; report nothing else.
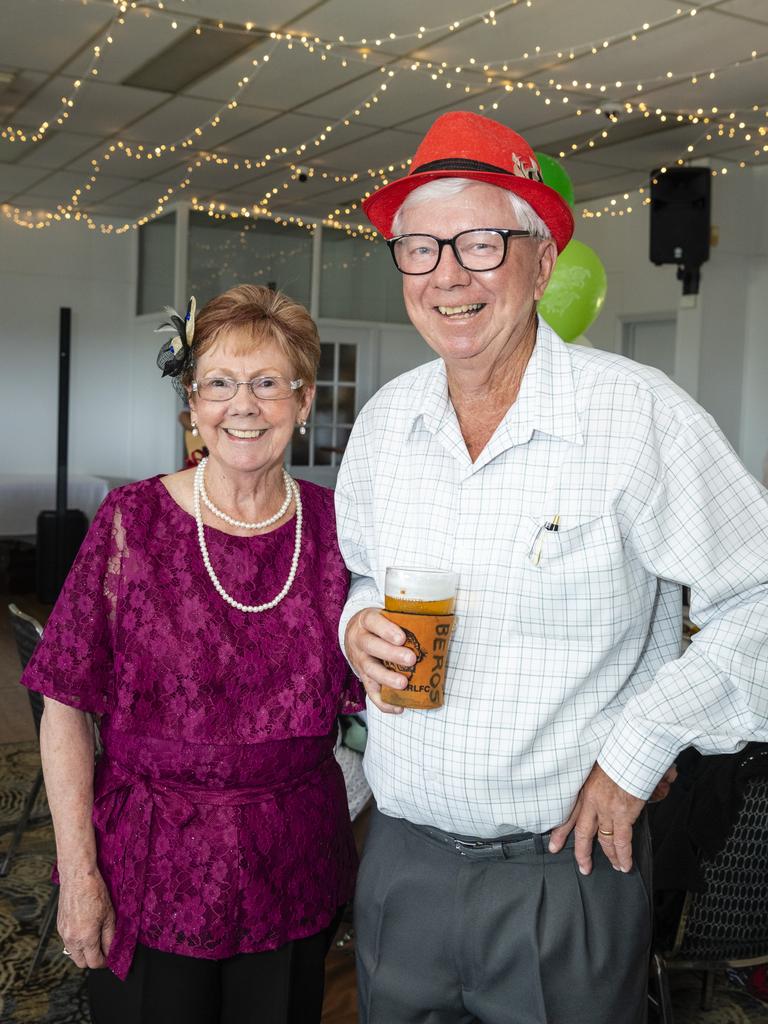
(505, 878)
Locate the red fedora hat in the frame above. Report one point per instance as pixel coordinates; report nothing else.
(466, 145)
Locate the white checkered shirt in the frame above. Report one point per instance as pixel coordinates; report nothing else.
(577, 659)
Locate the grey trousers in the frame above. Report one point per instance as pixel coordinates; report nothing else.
(504, 935)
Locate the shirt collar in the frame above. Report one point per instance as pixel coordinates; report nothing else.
(546, 401)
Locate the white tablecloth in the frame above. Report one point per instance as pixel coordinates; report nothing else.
(23, 495)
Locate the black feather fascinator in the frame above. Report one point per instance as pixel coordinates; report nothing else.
(176, 354)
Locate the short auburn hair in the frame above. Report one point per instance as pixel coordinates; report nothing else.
(264, 315)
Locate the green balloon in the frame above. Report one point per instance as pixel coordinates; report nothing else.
(576, 291)
(555, 176)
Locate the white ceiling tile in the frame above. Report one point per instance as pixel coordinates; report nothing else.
(549, 24)
(58, 148)
(55, 185)
(374, 150)
(15, 179)
(143, 194)
(146, 32)
(290, 131)
(688, 46)
(291, 78)
(408, 95)
(755, 10)
(376, 21)
(222, 84)
(41, 35)
(171, 122)
(100, 107)
(14, 95)
(167, 168)
(264, 13)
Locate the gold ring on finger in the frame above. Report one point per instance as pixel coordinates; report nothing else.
(605, 832)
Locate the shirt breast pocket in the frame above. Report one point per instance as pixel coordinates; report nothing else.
(571, 579)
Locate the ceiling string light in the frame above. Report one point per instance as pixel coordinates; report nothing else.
(140, 151)
(9, 133)
(171, 193)
(553, 90)
(487, 16)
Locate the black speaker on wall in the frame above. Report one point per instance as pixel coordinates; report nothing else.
(680, 217)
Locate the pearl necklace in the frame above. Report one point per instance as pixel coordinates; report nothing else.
(199, 473)
(241, 524)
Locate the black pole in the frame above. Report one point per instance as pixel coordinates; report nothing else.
(65, 338)
(60, 531)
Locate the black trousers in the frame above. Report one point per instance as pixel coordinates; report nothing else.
(280, 986)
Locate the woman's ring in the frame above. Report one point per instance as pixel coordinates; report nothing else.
(66, 952)
(604, 832)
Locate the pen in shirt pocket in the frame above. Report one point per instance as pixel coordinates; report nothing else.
(537, 548)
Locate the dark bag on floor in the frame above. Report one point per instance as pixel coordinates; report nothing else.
(59, 536)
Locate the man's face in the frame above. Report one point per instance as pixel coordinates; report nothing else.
(502, 301)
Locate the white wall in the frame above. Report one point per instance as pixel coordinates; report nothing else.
(636, 288)
(65, 265)
(754, 407)
(122, 415)
(722, 350)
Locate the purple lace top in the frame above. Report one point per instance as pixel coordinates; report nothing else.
(220, 812)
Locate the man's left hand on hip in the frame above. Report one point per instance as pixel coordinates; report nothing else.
(603, 810)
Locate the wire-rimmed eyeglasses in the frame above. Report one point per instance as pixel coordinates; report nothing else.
(476, 250)
(224, 389)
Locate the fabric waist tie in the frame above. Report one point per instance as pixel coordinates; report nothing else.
(126, 803)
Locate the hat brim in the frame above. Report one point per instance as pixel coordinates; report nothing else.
(381, 207)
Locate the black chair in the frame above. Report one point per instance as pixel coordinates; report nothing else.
(27, 632)
(725, 925)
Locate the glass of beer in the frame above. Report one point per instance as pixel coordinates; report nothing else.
(421, 602)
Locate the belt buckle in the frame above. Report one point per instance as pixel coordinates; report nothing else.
(462, 844)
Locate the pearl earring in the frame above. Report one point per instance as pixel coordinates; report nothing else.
(302, 427)
(195, 431)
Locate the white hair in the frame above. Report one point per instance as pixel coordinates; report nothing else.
(443, 188)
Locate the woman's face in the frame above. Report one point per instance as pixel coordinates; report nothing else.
(246, 434)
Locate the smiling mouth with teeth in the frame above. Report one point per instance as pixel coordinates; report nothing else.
(247, 434)
(468, 310)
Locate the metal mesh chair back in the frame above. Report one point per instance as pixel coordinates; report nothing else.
(27, 632)
(729, 920)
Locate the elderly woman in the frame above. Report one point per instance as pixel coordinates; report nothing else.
(204, 862)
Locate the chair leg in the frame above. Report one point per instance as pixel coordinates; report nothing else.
(21, 824)
(48, 922)
(708, 990)
(662, 983)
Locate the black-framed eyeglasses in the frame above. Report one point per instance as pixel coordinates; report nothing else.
(477, 250)
(224, 389)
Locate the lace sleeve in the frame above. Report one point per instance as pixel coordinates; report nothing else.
(74, 663)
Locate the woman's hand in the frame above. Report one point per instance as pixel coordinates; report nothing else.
(370, 639)
(86, 920)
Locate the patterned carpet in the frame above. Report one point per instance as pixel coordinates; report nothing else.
(56, 995)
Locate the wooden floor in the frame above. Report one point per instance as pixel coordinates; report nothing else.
(15, 715)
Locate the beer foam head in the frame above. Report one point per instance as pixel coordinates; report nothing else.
(421, 584)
